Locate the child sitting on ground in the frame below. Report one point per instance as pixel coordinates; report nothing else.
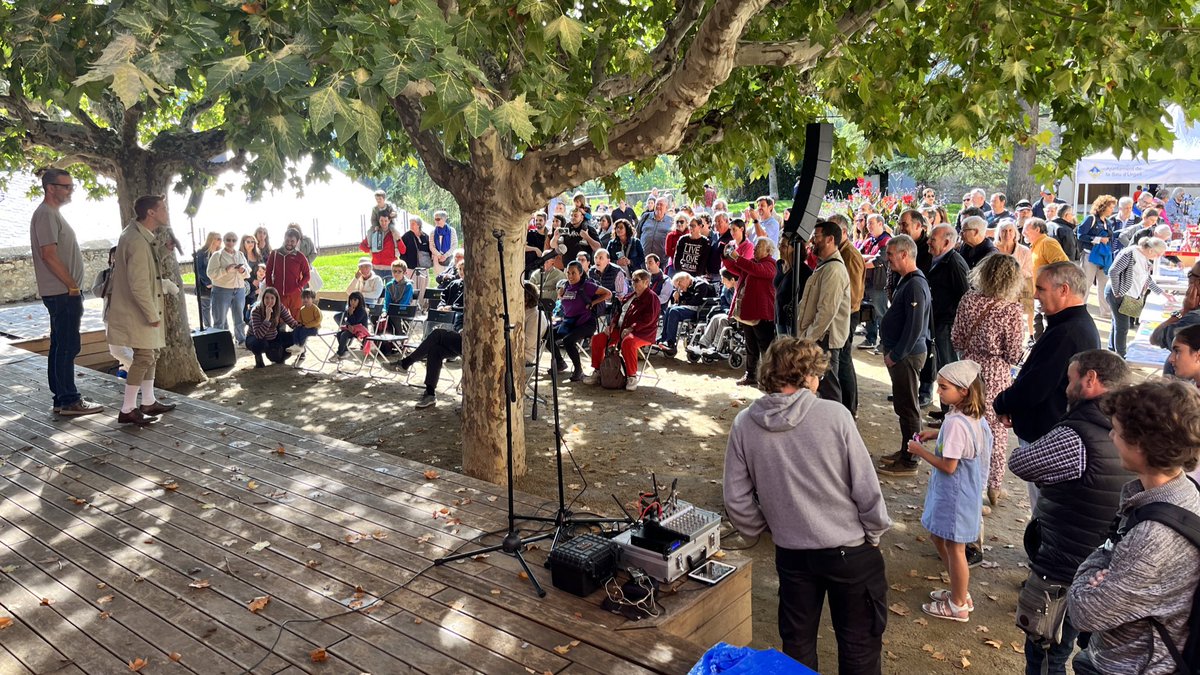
(310, 322)
(953, 514)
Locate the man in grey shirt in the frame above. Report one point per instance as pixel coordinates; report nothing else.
(654, 228)
(58, 270)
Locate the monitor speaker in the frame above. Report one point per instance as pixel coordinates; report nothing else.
(810, 186)
(214, 348)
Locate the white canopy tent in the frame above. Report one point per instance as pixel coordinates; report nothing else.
(1177, 166)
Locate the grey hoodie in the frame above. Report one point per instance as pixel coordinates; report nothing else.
(796, 466)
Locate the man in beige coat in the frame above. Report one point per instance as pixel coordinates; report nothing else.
(135, 308)
(824, 312)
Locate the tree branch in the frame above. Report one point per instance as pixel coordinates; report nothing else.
(662, 58)
(790, 53)
(86, 120)
(441, 167)
(129, 123)
(663, 121)
(67, 138)
(188, 119)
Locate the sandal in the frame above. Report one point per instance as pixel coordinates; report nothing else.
(944, 609)
(943, 595)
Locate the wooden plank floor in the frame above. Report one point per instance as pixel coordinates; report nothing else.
(118, 544)
(30, 320)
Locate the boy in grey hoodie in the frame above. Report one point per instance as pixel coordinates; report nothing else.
(797, 467)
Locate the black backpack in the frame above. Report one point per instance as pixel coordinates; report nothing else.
(1187, 524)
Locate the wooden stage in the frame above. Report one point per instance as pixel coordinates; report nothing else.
(27, 326)
(119, 544)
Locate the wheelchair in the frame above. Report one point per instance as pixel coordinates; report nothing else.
(730, 345)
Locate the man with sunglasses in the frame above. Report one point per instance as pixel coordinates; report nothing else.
(58, 269)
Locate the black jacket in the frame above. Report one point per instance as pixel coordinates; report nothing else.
(1072, 518)
(974, 254)
(1037, 398)
(947, 284)
(1064, 232)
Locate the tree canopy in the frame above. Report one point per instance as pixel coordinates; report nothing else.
(508, 102)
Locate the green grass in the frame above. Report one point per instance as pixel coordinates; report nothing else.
(335, 270)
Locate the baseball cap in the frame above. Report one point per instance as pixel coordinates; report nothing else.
(364, 261)
(1024, 204)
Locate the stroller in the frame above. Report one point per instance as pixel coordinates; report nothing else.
(730, 345)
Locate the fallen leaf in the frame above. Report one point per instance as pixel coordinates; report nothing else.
(480, 556)
(522, 576)
(200, 583)
(964, 663)
(5, 622)
(443, 510)
(938, 656)
(258, 603)
(492, 498)
(8, 569)
(914, 574)
(250, 485)
(562, 650)
(46, 602)
(900, 546)
(353, 538)
(921, 621)
(260, 546)
(719, 554)
(280, 450)
(495, 591)
(430, 474)
(315, 547)
(899, 609)
(105, 600)
(175, 656)
(137, 664)
(172, 485)
(1017, 647)
(105, 615)
(989, 564)
(981, 629)
(927, 648)
(318, 655)
(78, 501)
(208, 506)
(312, 564)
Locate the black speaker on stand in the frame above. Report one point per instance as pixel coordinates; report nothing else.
(810, 186)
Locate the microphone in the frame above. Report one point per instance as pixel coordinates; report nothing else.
(552, 253)
(498, 234)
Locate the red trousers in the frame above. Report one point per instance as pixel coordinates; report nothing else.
(629, 351)
(292, 302)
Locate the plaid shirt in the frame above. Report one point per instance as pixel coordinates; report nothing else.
(1057, 457)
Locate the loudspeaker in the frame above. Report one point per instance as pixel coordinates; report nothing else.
(810, 186)
(214, 348)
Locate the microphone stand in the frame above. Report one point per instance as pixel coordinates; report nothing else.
(513, 543)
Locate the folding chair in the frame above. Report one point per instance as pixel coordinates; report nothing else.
(435, 319)
(373, 355)
(645, 366)
(433, 297)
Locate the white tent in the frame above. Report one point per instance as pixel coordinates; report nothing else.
(1179, 165)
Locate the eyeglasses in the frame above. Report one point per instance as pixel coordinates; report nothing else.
(231, 241)
(68, 186)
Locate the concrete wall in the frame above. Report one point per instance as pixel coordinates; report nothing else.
(17, 283)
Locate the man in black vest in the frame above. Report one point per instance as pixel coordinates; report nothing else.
(1078, 472)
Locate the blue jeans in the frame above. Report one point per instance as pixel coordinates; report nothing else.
(671, 321)
(1059, 654)
(66, 313)
(300, 335)
(879, 301)
(226, 301)
(1118, 336)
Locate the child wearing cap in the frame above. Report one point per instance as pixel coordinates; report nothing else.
(952, 511)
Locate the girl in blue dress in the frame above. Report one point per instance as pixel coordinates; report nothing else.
(953, 512)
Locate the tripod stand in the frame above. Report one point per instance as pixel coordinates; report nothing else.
(513, 542)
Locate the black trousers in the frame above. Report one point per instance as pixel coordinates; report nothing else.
(758, 338)
(438, 346)
(570, 342)
(847, 378)
(905, 376)
(830, 387)
(856, 583)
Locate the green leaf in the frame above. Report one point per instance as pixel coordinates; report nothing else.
(161, 65)
(370, 127)
(286, 133)
(568, 31)
(280, 69)
(394, 79)
(139, 22)
(227, 73)
(516, 116)
(476, 117)
(538, 10)
(325, 106)
(1017, 70)
(120, 50)
(128, 83)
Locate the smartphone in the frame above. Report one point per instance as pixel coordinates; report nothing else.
(712, 572)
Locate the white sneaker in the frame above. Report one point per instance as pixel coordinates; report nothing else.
(631, 384)
(594, 378)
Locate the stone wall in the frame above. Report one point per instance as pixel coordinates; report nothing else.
(17, 283)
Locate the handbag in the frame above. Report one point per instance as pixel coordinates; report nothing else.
(1132, 307)
(1042, 609)
(612, 368)
(1101, 256)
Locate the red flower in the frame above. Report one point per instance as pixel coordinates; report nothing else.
(907, 199)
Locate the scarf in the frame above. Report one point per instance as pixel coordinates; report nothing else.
(375, 239)
(442, 237)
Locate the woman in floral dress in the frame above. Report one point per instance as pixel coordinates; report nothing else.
(988, 330)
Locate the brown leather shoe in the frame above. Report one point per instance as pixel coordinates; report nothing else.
(136, 416)
(157, 408)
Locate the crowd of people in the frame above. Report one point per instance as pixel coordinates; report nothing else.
(988, 312)
(959, 309)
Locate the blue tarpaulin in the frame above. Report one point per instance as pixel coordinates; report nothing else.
(729, 660)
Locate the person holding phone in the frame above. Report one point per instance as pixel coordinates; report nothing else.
(228, 270)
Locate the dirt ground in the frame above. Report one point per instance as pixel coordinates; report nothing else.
(676, 428)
